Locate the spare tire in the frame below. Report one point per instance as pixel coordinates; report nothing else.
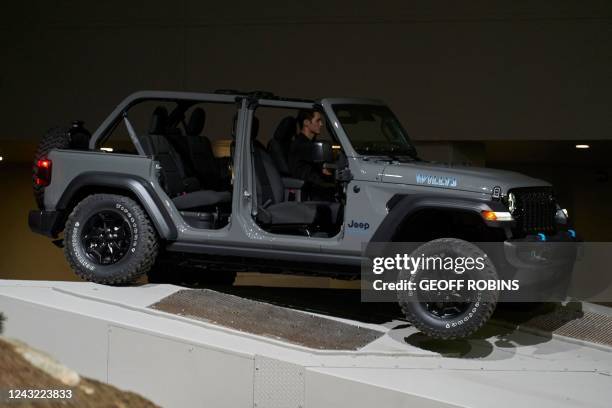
(55, 138)
(75, 137)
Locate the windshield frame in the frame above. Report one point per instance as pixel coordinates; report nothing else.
(330, 105)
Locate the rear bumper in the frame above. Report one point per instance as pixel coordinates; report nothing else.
(47, 223)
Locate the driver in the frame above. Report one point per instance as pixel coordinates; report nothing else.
(318, 182)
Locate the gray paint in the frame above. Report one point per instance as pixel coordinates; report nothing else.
(67, 165)
(139, 187)
(378, 180)
(472, 179)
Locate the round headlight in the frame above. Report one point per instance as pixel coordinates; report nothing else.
(511, 202)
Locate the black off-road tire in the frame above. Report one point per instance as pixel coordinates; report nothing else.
(55, 138)
(143, 246)
(478, 311)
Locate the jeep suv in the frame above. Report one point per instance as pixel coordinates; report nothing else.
(152, 192)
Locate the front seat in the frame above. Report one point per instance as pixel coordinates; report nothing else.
(272, 209)
(184, 191)
(279, 148)
(281, 142)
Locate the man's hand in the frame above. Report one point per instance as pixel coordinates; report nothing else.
(327, 172)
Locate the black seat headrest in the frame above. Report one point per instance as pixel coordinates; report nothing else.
(286, 129)
(196, 122)
(159, 121)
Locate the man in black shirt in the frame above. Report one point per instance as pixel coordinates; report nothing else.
(318, 181)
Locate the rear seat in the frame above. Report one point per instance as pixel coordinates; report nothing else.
(185, 191)
(206, 166)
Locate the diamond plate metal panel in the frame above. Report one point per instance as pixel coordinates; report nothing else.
(278, 384)
(578, 324)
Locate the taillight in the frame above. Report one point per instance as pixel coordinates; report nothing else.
(43, 172)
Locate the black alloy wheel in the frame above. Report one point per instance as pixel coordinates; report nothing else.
(106, 237)
(446, 310)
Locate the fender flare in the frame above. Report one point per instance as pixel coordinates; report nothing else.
(147, 197)
(402, 206)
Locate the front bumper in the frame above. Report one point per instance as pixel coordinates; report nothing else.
(544, 269)
(47, 223)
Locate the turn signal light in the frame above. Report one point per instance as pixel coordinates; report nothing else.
(43, 172)
(489, 215)
(496, 216)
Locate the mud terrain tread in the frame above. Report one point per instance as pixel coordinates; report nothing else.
(144, 258)
(55, 138)
(460, 331)
(448, 334)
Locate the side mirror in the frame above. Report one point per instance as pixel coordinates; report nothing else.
(322, 152)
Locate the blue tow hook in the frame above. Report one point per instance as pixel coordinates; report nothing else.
(572, 233)
(541, 236)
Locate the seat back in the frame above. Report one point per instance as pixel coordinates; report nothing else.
(156, 144)
(279, 145)
(200, 152)
(270, 188)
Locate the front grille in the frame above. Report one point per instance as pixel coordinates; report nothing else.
(535, 210)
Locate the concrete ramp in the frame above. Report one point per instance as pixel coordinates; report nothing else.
(180, 358)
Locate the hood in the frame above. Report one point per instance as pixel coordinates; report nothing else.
(476, 179)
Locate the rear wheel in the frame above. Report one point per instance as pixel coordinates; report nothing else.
(448, 314)
(109, 239)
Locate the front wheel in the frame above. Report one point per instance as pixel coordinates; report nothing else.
(109, 239)
(448, 314)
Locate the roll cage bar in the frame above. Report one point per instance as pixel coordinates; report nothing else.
(229, 96)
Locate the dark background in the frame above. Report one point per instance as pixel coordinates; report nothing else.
(505, 84)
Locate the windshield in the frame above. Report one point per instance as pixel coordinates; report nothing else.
(374, 130)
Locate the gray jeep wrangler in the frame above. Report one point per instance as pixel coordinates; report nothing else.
(165, 201)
